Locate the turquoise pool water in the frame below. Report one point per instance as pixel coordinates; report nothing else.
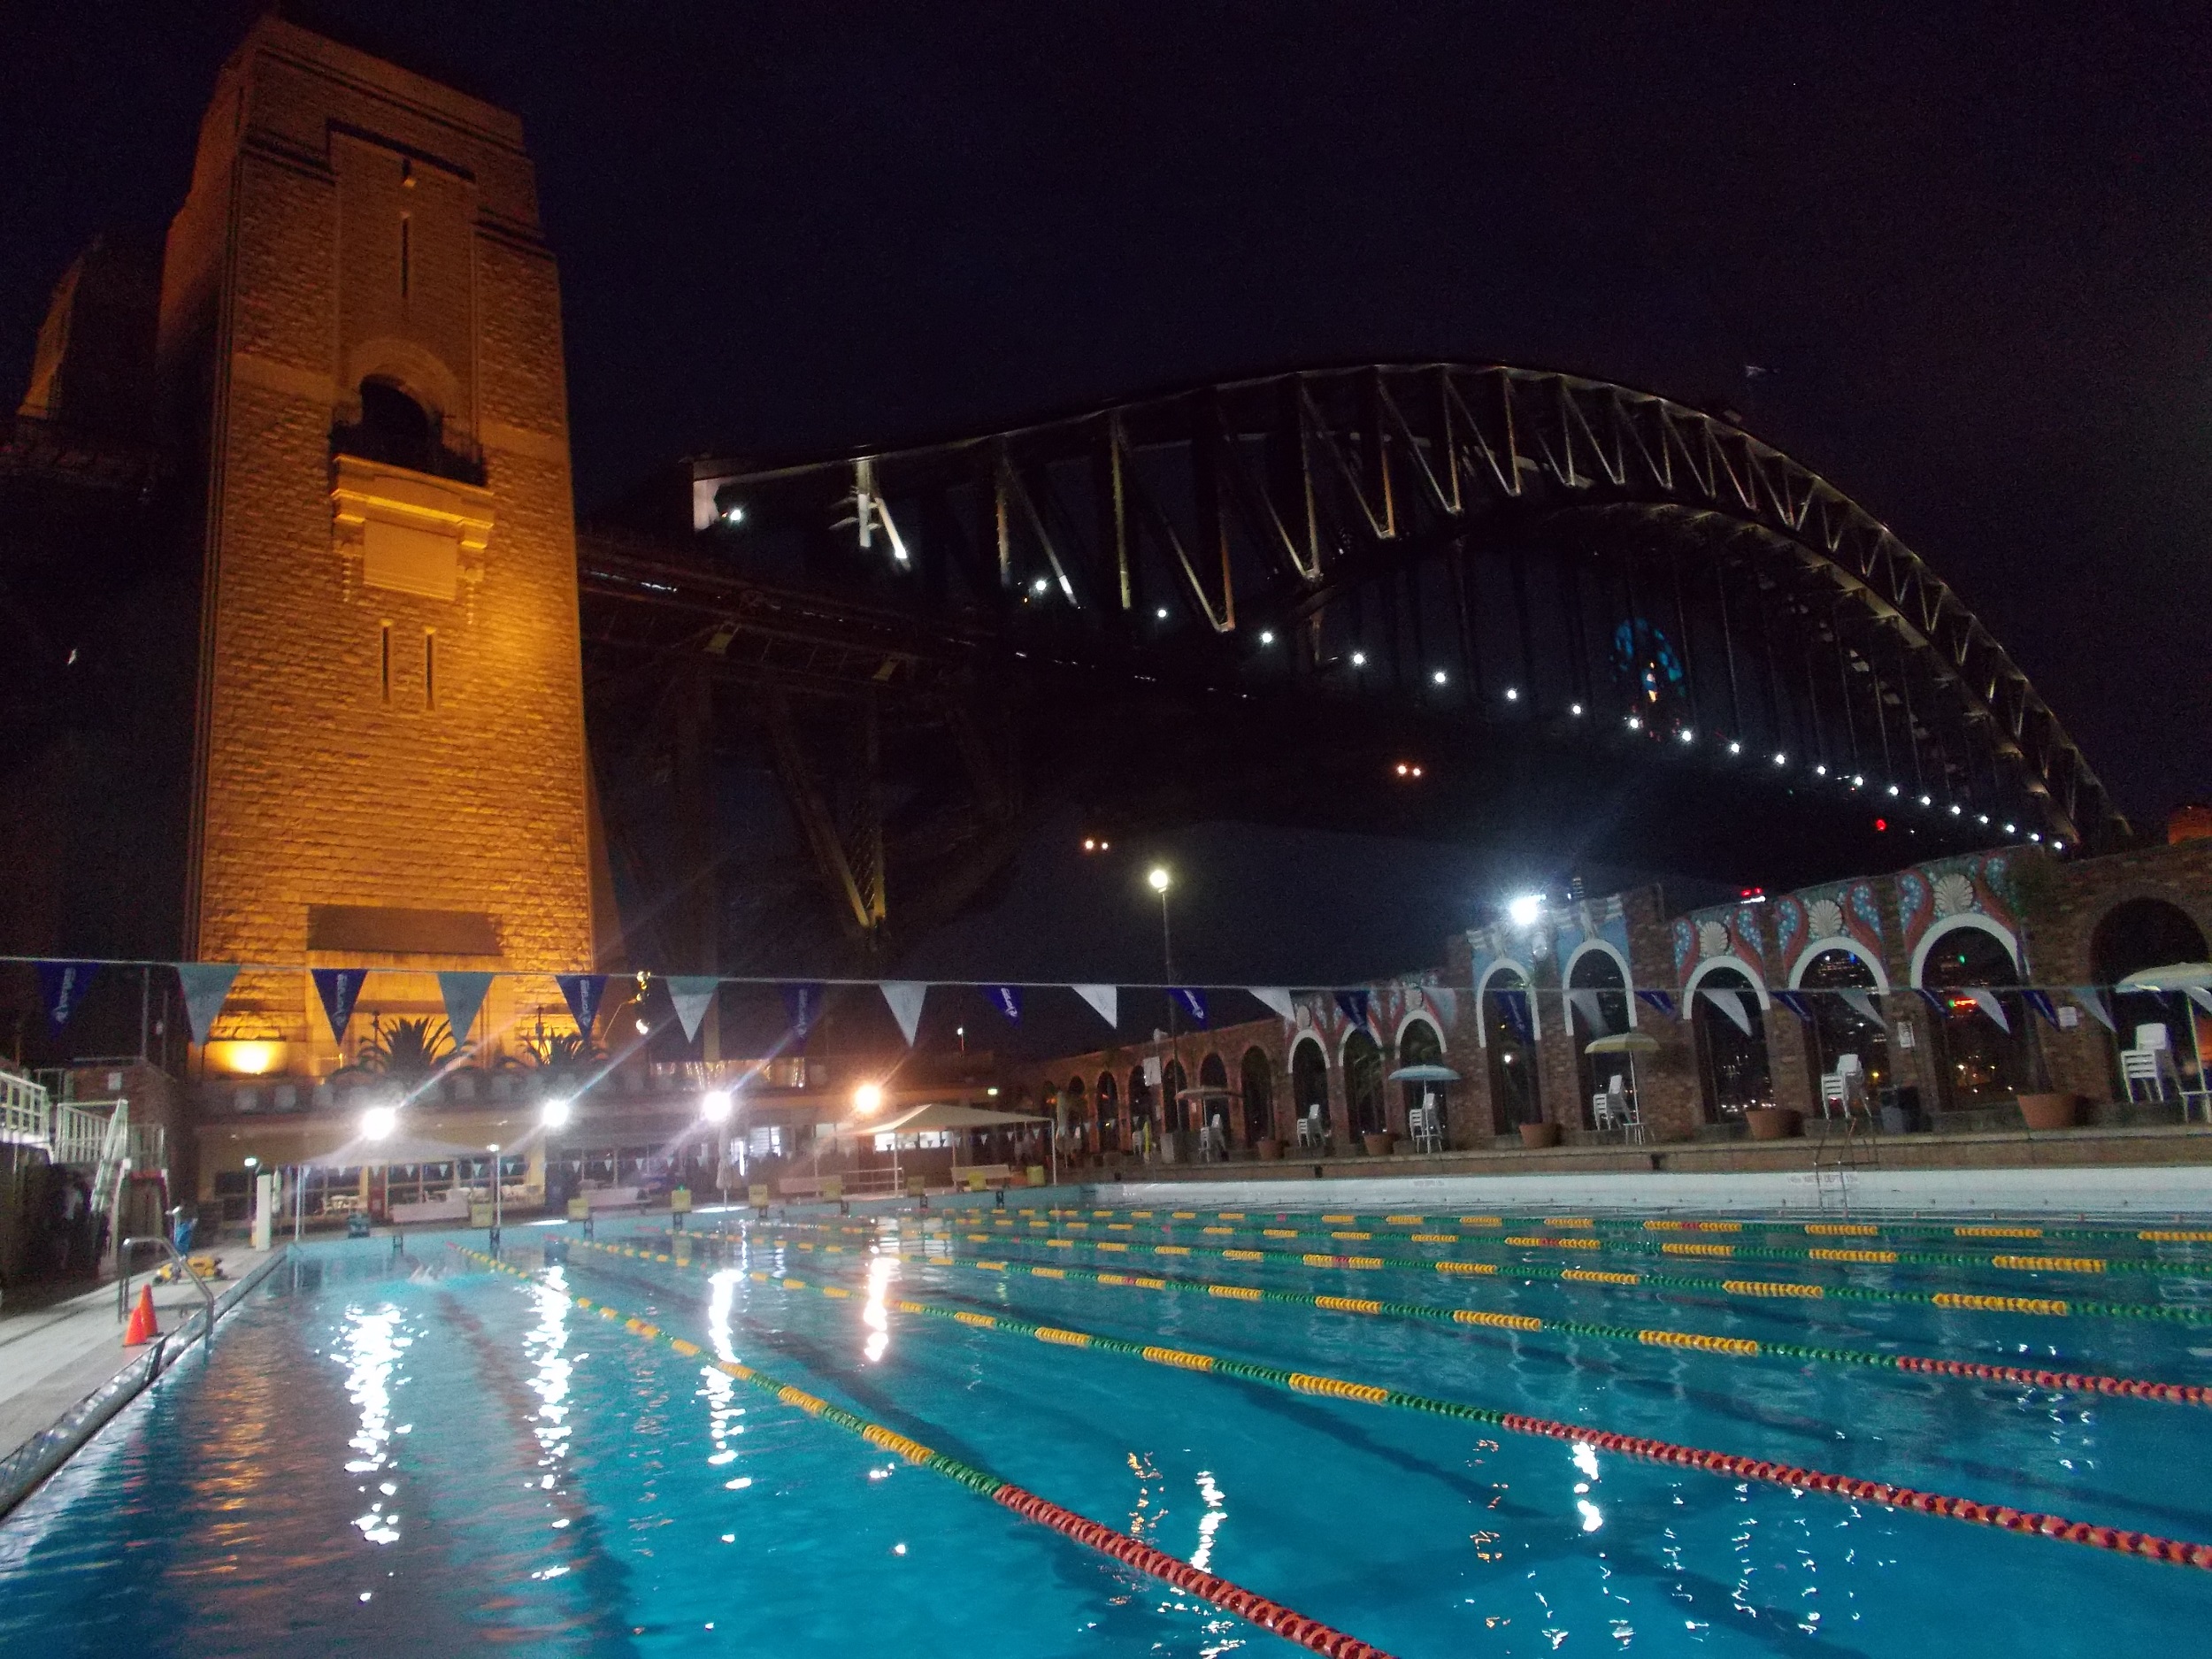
(415, 1456)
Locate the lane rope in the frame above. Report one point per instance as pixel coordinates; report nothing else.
(1731, 1346)
(1622, 1278)
(1836, 1256)
(1269, 1615)
(2122, 1540)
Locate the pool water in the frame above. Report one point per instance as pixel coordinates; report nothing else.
(382, 1455)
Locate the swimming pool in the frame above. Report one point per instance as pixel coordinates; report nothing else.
(382, 1455)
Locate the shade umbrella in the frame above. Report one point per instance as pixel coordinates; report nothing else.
(1423, 1074)
(1628, 1042)
(2193, 979)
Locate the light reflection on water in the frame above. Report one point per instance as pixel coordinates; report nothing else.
(372, 1350)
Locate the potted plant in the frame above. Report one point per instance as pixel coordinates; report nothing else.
(1378, 1143)
(1267, 1149)
(1771, 1123)
(2050, 1110)
(1539, 1135)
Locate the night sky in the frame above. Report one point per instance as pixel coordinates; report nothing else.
(1963, 266)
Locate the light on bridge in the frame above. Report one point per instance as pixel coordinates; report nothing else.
(1409, 770)
(1687, 735)
(1267, 636)
(1575, 710)
(1513, 695)
(1734, 748)
(1781, 759)
(1439, 676)
(1359, 659)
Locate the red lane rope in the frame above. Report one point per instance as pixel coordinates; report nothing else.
(2148, 1545)
(1269, 1616)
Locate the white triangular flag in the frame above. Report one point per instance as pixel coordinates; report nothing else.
(905, 997)
(1863, 1005)
(206, 985)
(463, 991)
(1105, 999)
(1986, 1001)
(1587, 1004)
(692, 994)
(2091, 998)
(1731, 1003)
(1274, 997)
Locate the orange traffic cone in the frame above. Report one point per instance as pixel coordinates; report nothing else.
(141, 1327)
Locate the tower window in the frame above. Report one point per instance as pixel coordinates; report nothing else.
(406, 252)
(384, 661)
(430, 668)
(394, 428)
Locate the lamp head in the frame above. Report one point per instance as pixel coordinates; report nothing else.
(1523, 910)
(557, 1114)
(714, 1106)
(868, 1099)
(379, 1121)
(1159, 879)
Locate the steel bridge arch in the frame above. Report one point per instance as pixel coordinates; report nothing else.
(1218, 524)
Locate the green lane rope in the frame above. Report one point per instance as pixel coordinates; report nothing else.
(1727, 1465)
(1268, 1615)
(1614, 1280)
(1825, 1256)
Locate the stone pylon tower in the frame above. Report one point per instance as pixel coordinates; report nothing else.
(360, 333)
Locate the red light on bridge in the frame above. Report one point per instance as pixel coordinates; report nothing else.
(1407, 770)
(1094, 844)
(1881, 823)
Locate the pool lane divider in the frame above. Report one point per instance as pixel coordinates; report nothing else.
(1831, 1255)
(1269, 1615)
(2176, 1233)
(1610, 1279)
(1731, 1346)
(2149, 1546)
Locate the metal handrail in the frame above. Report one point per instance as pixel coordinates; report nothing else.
(123, 1276)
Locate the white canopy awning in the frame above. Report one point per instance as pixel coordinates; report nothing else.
(911, 1120)
(395, 1149)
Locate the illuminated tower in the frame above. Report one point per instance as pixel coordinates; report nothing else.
(361, 336)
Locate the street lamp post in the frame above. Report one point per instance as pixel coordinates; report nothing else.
(1161, 882)
(493, 1149)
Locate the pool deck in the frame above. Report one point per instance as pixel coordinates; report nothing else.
(53, 1355)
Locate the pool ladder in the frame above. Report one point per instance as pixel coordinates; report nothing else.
(1835, 1157)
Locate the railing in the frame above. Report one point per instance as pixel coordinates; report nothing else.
(26, 1116)
(80, 1133)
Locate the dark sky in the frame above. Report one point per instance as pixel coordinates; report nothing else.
(1972, 254)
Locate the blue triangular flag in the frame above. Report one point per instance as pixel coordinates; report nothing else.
(1354, 1006)
(205, 985)
(1797, 1003)
(803, 1004)
(1514, 1005)
(339, 988)
(2091, 998)
(1659, 1000)
(61, 986)
(463, 990)
(581, 992)
(1192, 1002)
(1933, 1000)
(1007, 999)
(2040, 1002)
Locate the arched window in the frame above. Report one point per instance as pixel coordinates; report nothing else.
(1509, 1033)
(1108, 1115)
(1213, 1081)
(1982, 1062)
(394, 428)
(1258, 1079)
(1363, 1084)
(1731, 1054)
(1076, 1111)
(1309, 1083)
(1840, 1026)
(1419, 1045)
(1596, 987)
(2151, 933)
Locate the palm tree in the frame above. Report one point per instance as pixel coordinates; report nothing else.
(409, 1048)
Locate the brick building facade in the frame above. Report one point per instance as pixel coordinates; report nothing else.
(1965, 982)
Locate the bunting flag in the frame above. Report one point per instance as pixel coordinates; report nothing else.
(803, 1003)
(1105, 1001)
(693, 994)
(1274, 996)
(1658, 1000)
(2092, 1000)
(1515, 1006)
(339, 988)
(1731, 1003)
(464, 994)
(61, 986)
(205, 985)
(1591, 1008)
(2201, 996)
(1353, 1005)
(1007, 999)
(1192, 1002)
(2040, 1002)
(582, 992)
(1444, 1000)
(1863, 1005)
(1934, 1000)
(1798, 1002)
(1988, 1002)
(905, 997)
